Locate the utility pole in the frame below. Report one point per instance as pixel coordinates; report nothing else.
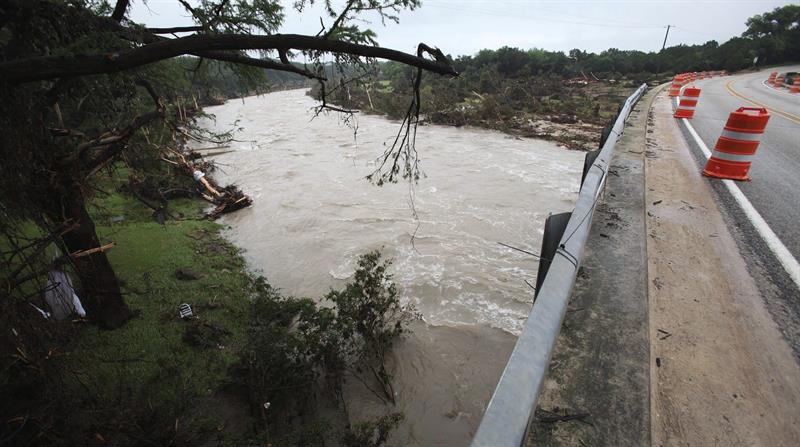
(664, 45)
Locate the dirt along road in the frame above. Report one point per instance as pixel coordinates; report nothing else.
(721, 371)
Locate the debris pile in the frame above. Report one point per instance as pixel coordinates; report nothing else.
(226, 199)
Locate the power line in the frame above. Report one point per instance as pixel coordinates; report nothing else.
(571, 14)
(543, 18)
(686, 30)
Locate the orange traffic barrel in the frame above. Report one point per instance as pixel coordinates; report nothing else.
(737, 145)
(677, 82)
(778, 81)
(795, 88)
(688, 102)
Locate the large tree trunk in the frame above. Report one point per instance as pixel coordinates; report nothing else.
(101, 294)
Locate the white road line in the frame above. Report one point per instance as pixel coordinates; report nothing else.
(780, 251)
(773, 89)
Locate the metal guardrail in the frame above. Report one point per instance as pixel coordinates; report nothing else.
(510, 411)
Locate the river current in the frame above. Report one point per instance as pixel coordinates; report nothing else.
(314, 214)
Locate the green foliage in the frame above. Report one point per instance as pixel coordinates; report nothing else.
(369, 318)
(373, 433)
(129, 386)
(289, 345)
(776, 34)
(294, 346)
(239, 16)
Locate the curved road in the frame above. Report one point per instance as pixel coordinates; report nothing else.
(775, 188)
(774, 191)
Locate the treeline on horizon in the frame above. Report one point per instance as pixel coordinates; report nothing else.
(510, 89)
(772, 37)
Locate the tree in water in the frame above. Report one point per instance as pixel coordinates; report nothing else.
(370, 318)
(82, 87)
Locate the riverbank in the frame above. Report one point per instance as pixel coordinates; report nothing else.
(251, 366)
(160, 378)
(572, 114)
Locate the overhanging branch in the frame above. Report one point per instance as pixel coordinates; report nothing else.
(120, 143)
(175, 29)
(236, 58)
(148, 36)
(119, 10)
(52, 67)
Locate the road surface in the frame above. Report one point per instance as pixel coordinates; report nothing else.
(722, 372)
(775, 188)
(774, 191)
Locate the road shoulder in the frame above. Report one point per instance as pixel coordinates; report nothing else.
(721, 373)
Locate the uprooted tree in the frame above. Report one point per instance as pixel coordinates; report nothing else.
(83, 89)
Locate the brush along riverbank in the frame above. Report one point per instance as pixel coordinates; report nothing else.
(251, 367)
(569, 112)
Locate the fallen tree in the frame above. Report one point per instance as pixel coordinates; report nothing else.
(71, 110)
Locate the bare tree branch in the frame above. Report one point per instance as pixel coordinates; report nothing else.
(152, 92)
(118, 146)
(148, 35)
(119, 10)
(339, 19)
(268, 64)
(175, 29)
(52, 67)
(323, 97)
(403, 150)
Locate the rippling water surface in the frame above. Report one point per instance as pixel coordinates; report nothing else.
(314, 214)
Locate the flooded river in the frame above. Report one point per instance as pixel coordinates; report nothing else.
(314, 214)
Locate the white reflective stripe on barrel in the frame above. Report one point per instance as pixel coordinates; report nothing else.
(686, 107)
(744, 136)
(730, 157)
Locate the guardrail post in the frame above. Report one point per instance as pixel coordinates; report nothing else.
(554, 227)
(589, 158)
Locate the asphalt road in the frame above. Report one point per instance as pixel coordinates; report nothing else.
(775, 186)
(774, 190)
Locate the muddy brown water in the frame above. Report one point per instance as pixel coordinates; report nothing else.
(314, 214)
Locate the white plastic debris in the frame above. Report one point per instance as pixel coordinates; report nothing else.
(197, 174)
(45, 314)
(60, 296)
(185, 311)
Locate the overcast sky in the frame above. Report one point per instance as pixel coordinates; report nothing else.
(466, 26)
